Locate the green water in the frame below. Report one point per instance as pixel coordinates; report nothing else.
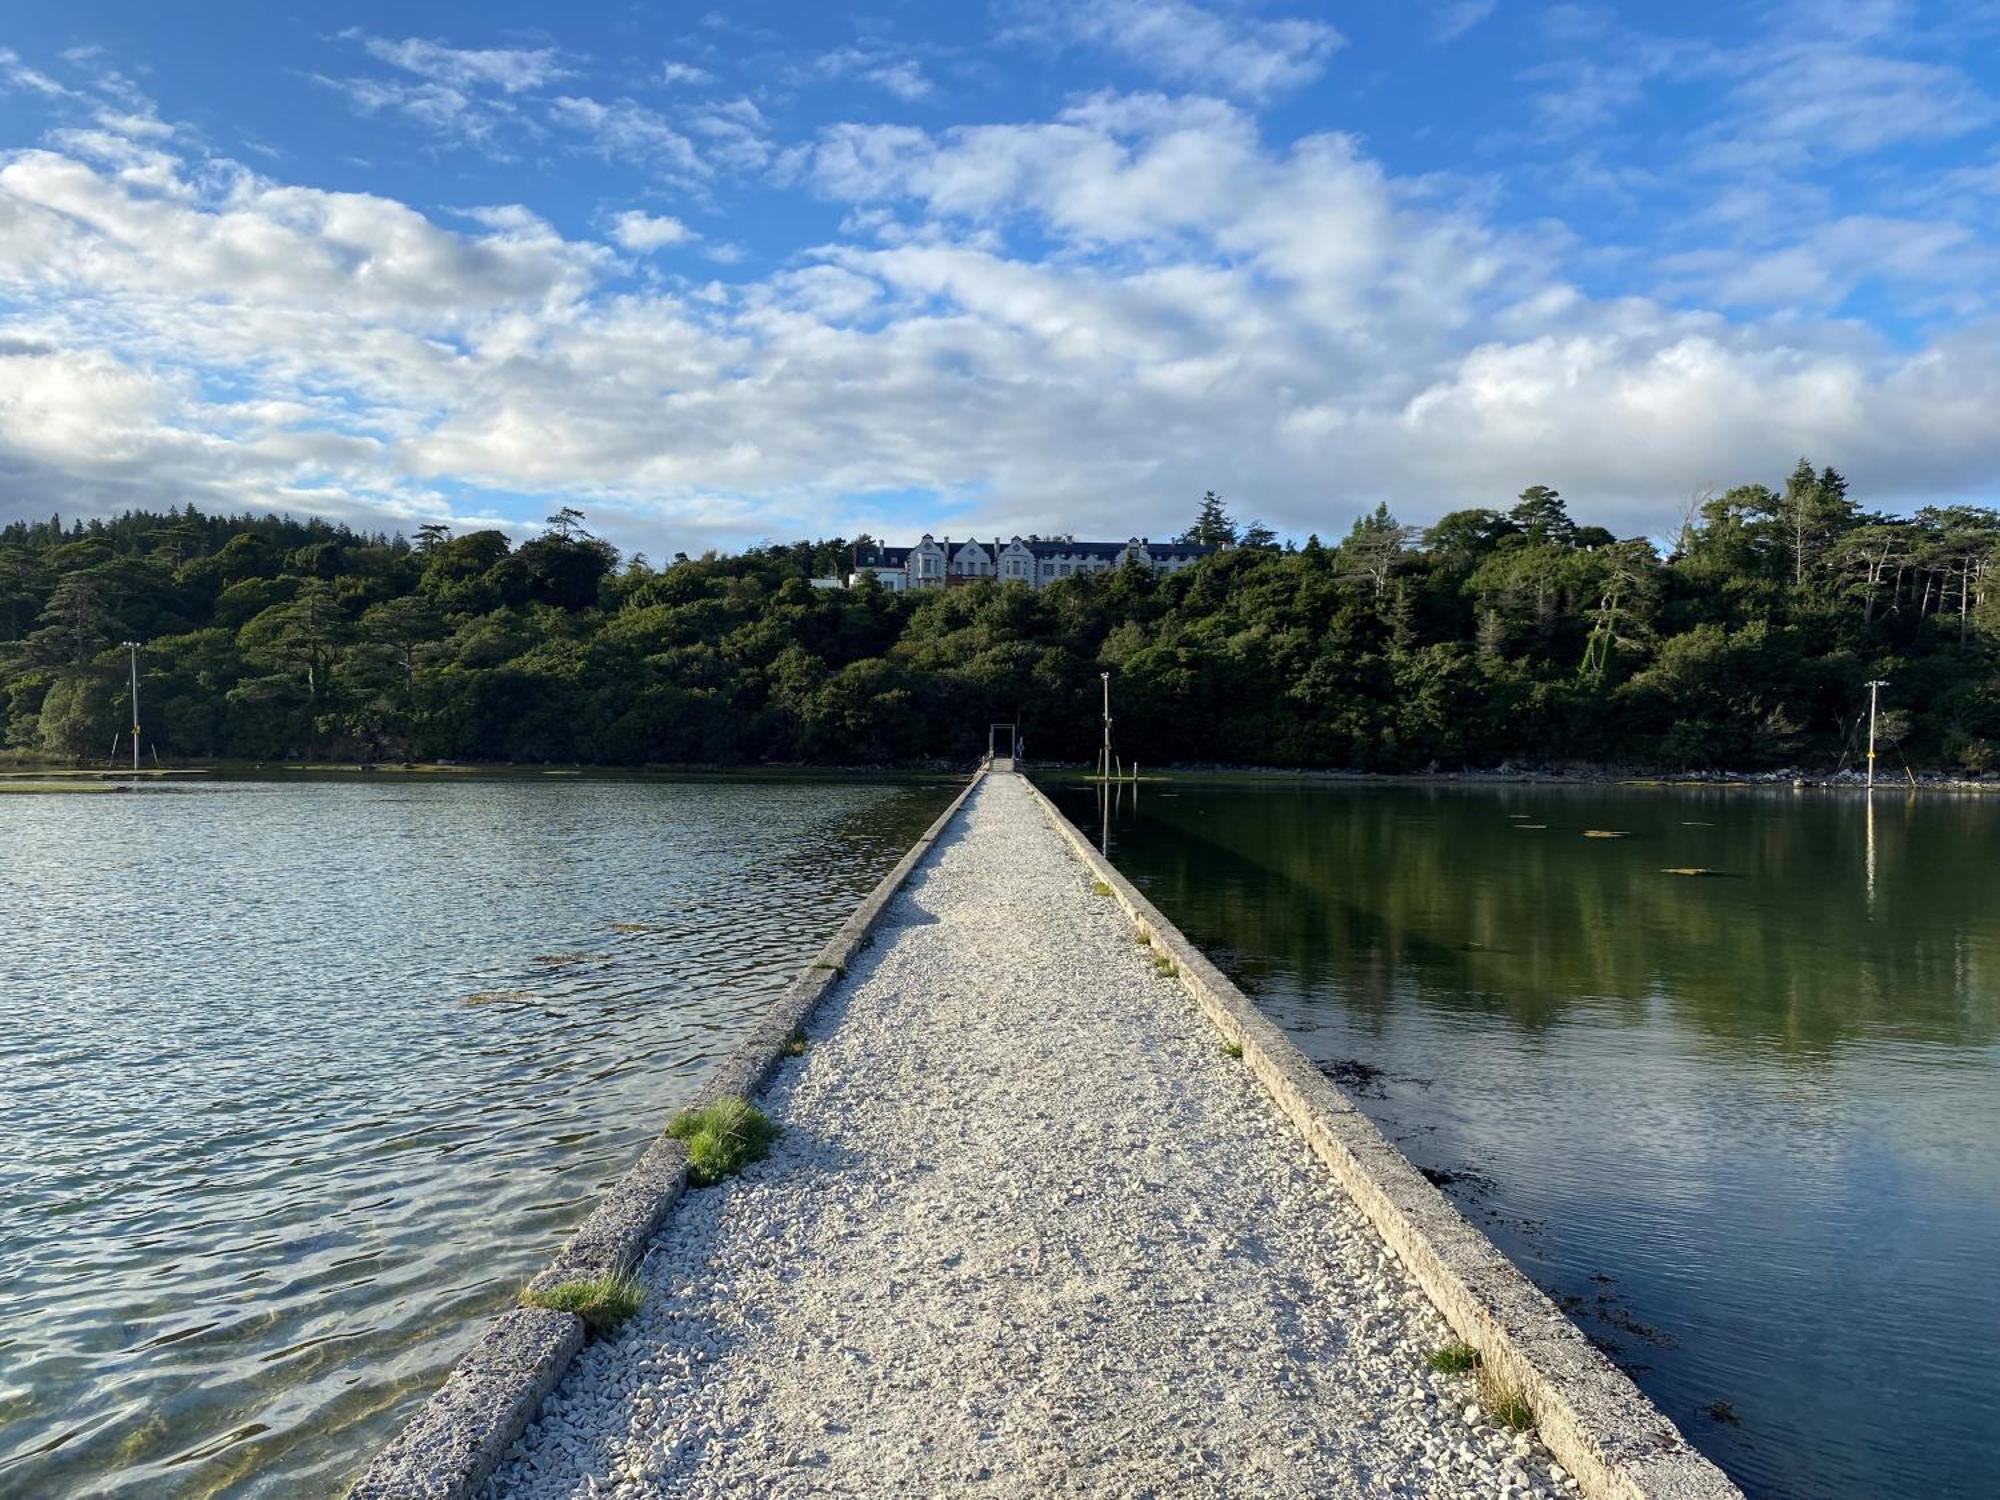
(1745, 1126)
(300, 1081)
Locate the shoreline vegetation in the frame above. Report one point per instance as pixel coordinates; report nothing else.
(1513, 636)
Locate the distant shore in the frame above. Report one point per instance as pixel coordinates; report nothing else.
(32, 775)
(1564, 774)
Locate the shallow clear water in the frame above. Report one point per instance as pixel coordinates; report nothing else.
(299, 1082)
(1745, 1126)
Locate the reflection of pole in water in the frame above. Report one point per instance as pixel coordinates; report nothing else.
(1104, 818)
(1871, 850)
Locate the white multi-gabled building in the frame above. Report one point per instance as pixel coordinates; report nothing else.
(1035, 561)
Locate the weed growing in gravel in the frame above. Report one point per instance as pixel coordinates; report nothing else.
(1505, 1403)
(1142, 937)
(1099, 888)
(1455, 1358)
(602, 1301)
(722, 1138)
(1163, 964)
(1232, 1049)
(795, 1044)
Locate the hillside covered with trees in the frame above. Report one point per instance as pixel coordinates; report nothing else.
(1502, 634)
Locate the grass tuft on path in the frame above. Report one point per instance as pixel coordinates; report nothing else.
(723, 1138)
(603, 1302)
(1455, 1358)
(1506, 1404)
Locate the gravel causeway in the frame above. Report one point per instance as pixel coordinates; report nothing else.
(1028, 1232)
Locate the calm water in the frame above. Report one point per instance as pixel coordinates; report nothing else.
(298, 1082)
(1746, 1127)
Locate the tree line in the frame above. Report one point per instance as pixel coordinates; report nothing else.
(1510, 633)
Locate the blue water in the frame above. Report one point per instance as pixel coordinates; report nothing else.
(1745, 1125)
(300, 1081)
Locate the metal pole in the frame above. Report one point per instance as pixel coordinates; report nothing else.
(133, 648)
(1104, 768)
(1874, 688)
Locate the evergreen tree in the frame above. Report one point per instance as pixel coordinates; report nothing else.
(1542, 516)
(1504, 635)
(1212, 526)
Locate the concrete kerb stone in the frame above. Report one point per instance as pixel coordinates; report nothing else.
(447, 1450)
(490, 1395)
(1596, 1422)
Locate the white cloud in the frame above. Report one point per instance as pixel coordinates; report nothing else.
(466, 94)
(735, 134)
(1452, 19)
(512, 70)
(1287, 322)
(628, 131)
(1823, 266)
(642, 233)
(437, 107)
(1819, 100)
(1184, 42)
(680, 72)
(15, 74)
(901, 76)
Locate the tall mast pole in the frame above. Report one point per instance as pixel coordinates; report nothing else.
(1874, 688)
(132, 647)
(1104, 769)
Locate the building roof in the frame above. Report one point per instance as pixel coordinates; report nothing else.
(1116, 549)
(897, 557)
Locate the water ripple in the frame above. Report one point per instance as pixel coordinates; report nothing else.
(292, 1094)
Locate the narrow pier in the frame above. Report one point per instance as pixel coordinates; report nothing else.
(1030, 1229)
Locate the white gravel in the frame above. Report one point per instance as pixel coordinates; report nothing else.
(1028, 1232)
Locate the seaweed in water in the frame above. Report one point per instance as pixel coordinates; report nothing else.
(499, 997)
(1356, 1076)
(1607, 1309)
(1464, 1177)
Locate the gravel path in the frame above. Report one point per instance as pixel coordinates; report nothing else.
(1028, 1232)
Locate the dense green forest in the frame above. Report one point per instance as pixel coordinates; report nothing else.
(1494, 635)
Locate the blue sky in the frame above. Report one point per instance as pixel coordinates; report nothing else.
(774, 269)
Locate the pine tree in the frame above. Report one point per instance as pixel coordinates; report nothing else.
(1212, 526)
(1542, 515)
(1811, 514)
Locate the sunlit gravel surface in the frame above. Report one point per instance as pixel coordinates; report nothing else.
(1028, 1231)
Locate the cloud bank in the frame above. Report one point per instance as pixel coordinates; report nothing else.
(1076, 322)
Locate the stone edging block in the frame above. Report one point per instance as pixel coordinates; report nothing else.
(447, 1450)
(1596, 1422)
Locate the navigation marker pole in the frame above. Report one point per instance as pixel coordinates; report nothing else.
(1874, 688)
(1104, 767)
(133, 648)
